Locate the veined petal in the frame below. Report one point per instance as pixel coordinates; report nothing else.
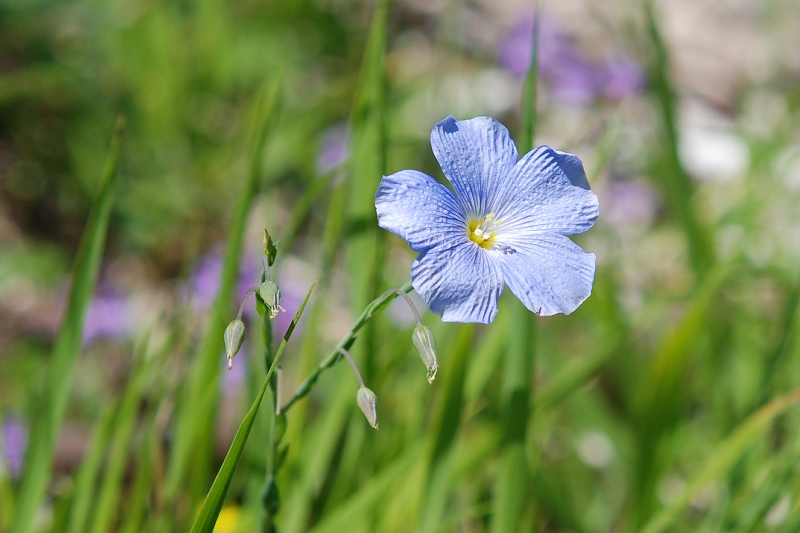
(547, 191)
(416, 207)
(461, 282)
(475, 155)
(548, 272)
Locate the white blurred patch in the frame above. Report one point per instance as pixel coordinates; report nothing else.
(497, 89)
(787, 167)
(763, 112)
(489, 92)
(779, 512)
(729, 241)
(706, 496)
(760, 248)
(670, 489)
(595, 449)
(713, 155)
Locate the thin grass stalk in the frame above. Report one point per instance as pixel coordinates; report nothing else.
(677, 184)
(269, 491)
(49, 413)
(144, 478)
(106, 504)
(660, 391)
(86, 479)
(442, 440)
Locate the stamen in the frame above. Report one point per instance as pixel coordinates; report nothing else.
(482, 233)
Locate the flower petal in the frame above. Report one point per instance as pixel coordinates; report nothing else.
(461, 282)
(416, 207)
(475, 155)
(548, 272)
(547, 191)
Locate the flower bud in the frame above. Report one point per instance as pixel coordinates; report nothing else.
(426, 346)
(234, 337)
(271, 296)
(368, 403)
(270, 248)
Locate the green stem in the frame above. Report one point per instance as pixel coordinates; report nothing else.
(333, 355)
(269, 491)
(212, 505)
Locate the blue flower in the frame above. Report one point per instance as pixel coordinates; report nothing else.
(505, 224)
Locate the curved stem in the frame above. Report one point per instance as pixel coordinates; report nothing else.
(244, 301)
(408, 300)
(333, 355)
(353, 364)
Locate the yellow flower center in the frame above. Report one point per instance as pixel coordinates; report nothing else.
(482, 232)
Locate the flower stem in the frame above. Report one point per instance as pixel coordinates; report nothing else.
(334, 355)
(408, 300)
(244, 301)
(353, 364)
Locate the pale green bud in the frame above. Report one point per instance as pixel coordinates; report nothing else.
(368, 403)
(270, 248)
(426, 346)
(271, 296)
(234, 337)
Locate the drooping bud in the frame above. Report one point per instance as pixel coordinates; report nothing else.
(271, 296)
(234, 337)
(368, 403)
(426, 346)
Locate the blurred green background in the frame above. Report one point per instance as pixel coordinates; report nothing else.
(663, 404)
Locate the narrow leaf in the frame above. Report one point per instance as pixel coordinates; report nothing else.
(219, 489)
(724, 456)
(50, 407)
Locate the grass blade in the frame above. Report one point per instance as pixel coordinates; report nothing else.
(660, 389)
(207, 518)
(86, 480)
(50, 407)
(107, 504)
(367, 166)
(442, 442)
(724, 457)
(369, 495)
(512, 483)
(676, 183)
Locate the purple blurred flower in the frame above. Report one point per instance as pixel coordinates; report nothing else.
(572, 78)
(630, 203)
(515, 50)
(109, 317)
(15, 442)
(574, 83)
(204, 282)
(335, 150)
(233, 379)
(620, 77)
